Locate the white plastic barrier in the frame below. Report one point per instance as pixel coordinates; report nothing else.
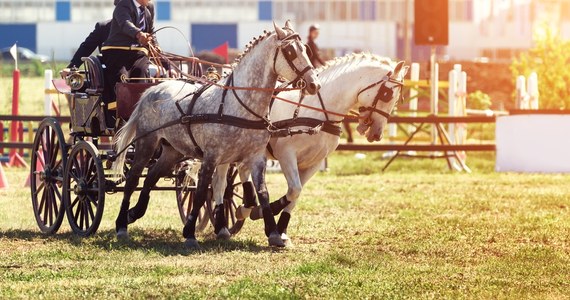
(533, 143)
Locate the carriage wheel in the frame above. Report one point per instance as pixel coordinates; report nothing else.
(232, 197)
(84, 189)
(49, 155)
(185, 192)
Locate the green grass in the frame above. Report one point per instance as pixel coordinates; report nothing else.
(416, 231)
(406, 233)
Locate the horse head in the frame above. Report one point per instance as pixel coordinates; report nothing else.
(291, 60)
(378, 99)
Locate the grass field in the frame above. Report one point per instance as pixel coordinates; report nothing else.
(416, 231)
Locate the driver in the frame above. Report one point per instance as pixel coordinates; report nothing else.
(123, 51)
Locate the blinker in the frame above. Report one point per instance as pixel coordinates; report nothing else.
(290, 53)
(385, 93)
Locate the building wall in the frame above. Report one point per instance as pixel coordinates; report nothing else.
(466, 42)
(477, 28)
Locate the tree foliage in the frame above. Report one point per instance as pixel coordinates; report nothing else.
(549, 58)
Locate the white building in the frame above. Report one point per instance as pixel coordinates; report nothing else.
(496, 29)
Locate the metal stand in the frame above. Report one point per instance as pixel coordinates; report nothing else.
(444, 140)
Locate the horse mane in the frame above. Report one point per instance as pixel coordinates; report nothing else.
(353, 58)
(341, 65)
(254, 42)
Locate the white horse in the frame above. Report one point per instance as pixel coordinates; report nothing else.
(219, 125)
(372, 83)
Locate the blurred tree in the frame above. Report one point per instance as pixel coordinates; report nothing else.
(549, 58)
(478, 100)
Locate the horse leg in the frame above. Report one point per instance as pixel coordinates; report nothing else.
(144, 152)
(219, 183)
(296, 179)
(249, 199)
(204, 180)
(258, 176)
(163, 167)
(288, 164)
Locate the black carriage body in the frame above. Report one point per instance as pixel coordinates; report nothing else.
(87, 114)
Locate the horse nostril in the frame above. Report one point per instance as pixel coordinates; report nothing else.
(313, 86)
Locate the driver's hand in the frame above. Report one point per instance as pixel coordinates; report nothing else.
(63, 73)
(144, 38)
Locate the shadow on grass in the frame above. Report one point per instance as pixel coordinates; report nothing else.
(166, 242)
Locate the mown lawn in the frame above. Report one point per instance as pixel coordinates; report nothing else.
(416, 231)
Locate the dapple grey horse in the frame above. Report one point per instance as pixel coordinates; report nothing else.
(219, 125)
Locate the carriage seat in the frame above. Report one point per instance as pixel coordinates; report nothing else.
(128, 94)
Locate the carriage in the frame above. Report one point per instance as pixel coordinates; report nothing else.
(74, 175)
(70, 174)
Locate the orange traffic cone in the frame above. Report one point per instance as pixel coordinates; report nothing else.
(3, 179)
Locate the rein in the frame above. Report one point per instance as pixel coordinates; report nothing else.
(155, 53)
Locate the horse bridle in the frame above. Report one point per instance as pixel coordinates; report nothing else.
(384, 94)
(288, 51)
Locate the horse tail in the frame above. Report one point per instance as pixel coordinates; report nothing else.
(123, 139)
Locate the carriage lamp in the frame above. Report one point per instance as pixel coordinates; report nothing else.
(75, 79)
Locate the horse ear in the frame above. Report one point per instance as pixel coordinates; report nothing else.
(281, 34)
(404, 71)
(289, 25)
(398, 67)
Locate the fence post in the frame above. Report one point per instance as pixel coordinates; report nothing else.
(451, 98)
(414, 76)
(434, 87)
(31, 134)
(521, 101)
(533, 90)
(21, 137)
(48, 76)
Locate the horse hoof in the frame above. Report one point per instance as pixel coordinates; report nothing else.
(192, 244)
(275, 240)
(286, 240)
(122, 234)
(242, 212)
(224, 234)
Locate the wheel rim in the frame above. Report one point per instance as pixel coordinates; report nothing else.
(233, 192)
(84, 189)
(46, 175)
(185, 192)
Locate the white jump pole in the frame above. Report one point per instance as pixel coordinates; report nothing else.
(521, 95)
(414, 76)
(452, 95)
(434, 95)
(461, 110)
(461, 106)
(533, 90)
(48, 76)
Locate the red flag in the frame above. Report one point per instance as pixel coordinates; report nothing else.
(222, 50)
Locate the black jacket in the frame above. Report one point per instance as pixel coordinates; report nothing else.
(123, 26)
(94, 40)
(315, 56)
